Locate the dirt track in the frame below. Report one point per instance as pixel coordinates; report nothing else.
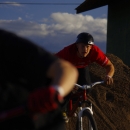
(111, 104)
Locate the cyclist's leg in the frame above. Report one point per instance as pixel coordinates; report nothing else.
(84, 77)
(65, 103)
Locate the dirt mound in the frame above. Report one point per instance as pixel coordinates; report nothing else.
(111, 104)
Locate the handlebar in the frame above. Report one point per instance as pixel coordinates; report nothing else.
(89, 86)
(21, 110)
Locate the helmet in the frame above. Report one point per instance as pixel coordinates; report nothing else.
(85, 38)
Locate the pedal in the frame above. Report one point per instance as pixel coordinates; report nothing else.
(65, 117)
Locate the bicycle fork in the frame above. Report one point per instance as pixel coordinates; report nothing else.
(80, 114)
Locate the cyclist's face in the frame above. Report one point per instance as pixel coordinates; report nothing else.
(83, 50)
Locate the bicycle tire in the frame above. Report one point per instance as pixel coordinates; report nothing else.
(87, 116)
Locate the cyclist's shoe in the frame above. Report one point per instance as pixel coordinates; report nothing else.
(65, 117)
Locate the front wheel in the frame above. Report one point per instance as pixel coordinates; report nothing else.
(86, 121)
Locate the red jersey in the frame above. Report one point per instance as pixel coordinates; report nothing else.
(69, 53)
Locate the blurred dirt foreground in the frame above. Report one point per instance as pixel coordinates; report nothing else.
(111, 104)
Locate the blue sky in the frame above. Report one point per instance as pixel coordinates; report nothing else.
(53, 26)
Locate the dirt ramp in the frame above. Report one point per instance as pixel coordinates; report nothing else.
(111, 104)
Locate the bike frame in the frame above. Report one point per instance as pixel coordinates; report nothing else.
(81, 97)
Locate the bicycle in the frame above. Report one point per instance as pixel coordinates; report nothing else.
(85, 112)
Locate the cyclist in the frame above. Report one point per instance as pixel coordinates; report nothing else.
(82, 53)
(34, 78)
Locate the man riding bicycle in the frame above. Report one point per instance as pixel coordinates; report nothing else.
(82, 53)
(35, 80)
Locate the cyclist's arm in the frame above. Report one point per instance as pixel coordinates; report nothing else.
(109, 69)
(64, 75)
(102, 60)
(110, 72)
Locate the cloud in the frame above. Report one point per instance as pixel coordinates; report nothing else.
(13, 3)
(73, 23)
(24, 28)
(19, 18)
(61, 29)
(64, 23)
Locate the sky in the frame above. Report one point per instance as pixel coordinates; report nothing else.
(53, 26)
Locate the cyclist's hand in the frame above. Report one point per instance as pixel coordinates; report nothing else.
(43, 100)
(108, 80)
